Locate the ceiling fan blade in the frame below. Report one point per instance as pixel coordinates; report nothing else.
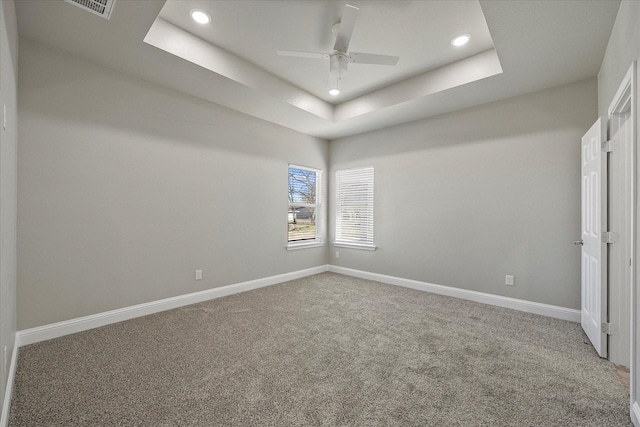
(311, 55)
(372, 58)
(345, 29)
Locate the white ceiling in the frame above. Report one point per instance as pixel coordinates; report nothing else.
(517, 47)
(254, 30)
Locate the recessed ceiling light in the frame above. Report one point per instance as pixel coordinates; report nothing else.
(461, 40)
(334, 92)
(200, 16)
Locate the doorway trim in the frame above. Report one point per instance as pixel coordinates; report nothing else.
(626, 97)
(621, 207)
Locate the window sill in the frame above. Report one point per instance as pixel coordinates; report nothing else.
(304, 245)
(355, 246)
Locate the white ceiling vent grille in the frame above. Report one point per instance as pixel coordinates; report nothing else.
(98, 7)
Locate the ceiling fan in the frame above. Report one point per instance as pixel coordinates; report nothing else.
(340, 57)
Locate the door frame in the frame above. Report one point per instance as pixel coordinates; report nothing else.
(628, 92)
(621, 207)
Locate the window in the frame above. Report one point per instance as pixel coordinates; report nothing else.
(354, 208)
(304, 202)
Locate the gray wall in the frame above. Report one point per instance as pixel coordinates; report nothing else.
(8, 72)
(126, 188)
(466, 198)
(622, 50)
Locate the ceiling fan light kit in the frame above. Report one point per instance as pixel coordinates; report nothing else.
(340, 57)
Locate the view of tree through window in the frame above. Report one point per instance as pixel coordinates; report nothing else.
(302, 203)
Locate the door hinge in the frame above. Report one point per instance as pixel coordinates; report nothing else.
(609, 329)
(609, 146)
(609, 237)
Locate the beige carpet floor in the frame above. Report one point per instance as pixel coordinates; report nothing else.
(326, 350)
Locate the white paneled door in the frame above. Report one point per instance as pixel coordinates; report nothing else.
(594, 246)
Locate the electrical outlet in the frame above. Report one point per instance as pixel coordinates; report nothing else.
(509, 280)
(198, 274)
(337, 254)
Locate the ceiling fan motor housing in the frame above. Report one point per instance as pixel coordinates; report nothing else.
(339, 63)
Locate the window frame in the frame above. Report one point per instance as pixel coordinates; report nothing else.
(340, 239)
(317, 240)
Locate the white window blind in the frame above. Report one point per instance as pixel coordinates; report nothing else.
(354, 207)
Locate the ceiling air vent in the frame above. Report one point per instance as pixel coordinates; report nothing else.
(98, 7)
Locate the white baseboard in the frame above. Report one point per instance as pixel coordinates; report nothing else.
(500, 301)
(635, 414)
(55, 330)
(8, 393)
